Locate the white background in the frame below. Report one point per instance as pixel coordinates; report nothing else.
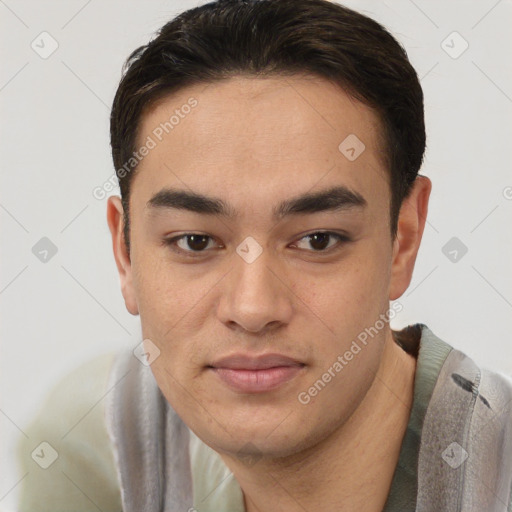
(54, 145)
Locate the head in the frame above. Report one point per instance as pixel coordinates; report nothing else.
(286, 137)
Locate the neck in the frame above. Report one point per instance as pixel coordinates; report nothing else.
(351, 470)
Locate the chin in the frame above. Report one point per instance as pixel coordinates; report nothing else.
(256, 438)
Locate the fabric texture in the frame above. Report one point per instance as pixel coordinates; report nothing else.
(431, 353)
(123, 448)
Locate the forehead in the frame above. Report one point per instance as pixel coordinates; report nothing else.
(240, 134)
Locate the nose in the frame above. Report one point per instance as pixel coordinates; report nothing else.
(257, 296)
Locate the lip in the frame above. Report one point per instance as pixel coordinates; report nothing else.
(256, 374)
(242, 361)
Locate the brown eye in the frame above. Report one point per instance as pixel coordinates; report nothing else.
(189, 243)
(196, 242)
(320, 240)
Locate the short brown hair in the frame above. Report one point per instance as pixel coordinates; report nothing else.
(226, 38)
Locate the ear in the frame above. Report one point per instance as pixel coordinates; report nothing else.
(116, 224)
(411, 223)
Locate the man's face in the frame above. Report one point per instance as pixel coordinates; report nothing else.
(256, 144)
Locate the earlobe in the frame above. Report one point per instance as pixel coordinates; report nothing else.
(411, 223)
(115, 222)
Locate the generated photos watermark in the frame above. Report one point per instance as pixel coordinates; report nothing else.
(357, 345)
(151, 142)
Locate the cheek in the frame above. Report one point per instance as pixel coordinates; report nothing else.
(352, 308)
(333, 396)
(353, 295)
(164, 295)
(347, 358)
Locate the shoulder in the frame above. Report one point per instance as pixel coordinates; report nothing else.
(67, 454)
(466, 439)
(488, 475)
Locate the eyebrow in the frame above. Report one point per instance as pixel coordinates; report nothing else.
(337, 198)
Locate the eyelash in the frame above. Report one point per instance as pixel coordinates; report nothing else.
(170, 242)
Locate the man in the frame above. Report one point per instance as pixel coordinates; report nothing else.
(271, 211)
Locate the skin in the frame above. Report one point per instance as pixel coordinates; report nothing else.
(253, 143)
